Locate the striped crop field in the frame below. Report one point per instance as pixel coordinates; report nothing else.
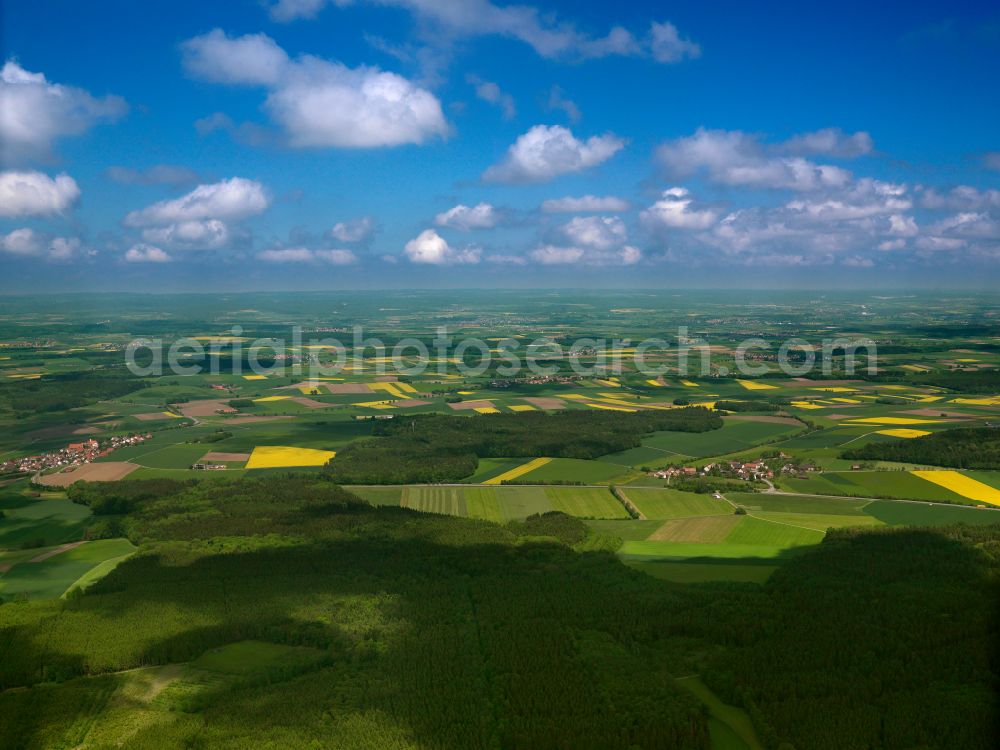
(445, 500)
(586, 502)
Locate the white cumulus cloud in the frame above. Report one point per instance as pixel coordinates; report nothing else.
(960, 198)
(22, 242)
(253, 59)
(36, 194)
(35, 112)
(27, 242)
(229, 200)
(585, 204)
(431, 248)
(674, 211)
(548, 151)
(667, 45)
(338, 257)
(865, 198)
(316, 102)
(143, 253)
(355, 230)
(480, 216)
(205, 234)
(736, 158)
(597, 232)
(335, 257)
(589, 240)
(831, 142)
(551, 255)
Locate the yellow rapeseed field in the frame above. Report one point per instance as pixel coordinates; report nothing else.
(521, 407)
(988, 401)
(255, 377)
(891, 420)
(486, 410)
(754, 385)
(265, 399)
(903, 432)
(611, 408)
(376, 404)
(518, 471)
(962, 485)
(278, 456)
(389, 388)
(806, 405)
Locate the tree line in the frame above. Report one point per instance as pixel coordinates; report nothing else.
(442, 448)
(963, 448)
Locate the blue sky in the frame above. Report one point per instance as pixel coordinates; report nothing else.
(311, 144)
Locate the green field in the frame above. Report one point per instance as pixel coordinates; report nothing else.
(666, 503)
(250, 657)
(797, 503)
(56, 575)
(447, 500)
(757, 531)
(818, 521)
(734, 436)
(491, 467)
(501, 503)
(730, 727)
(520, 502)
(41, 521)
(574, 470)
(706, 529)
(378, 495)
(895, 513)
(586, 502)
(695, 550)
(873, 484)
(632, 530)
(483, 502)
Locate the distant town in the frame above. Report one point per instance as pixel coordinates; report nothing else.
(72, 455)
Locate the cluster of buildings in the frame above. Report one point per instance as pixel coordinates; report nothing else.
(748, 470)
(677, 471)
(73, 454)
(533, 380)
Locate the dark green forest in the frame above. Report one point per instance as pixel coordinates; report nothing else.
(964, 448)
(446, 632)
(441, 448)
(66, 391)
